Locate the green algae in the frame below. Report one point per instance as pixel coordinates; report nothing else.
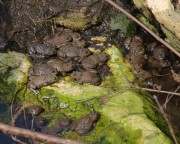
(14, 71)
(146, 22)
(120, 21)
(76, 21)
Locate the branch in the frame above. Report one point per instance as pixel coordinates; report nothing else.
(166, 119)
(48, 139)
(158, 91)
(144, 27)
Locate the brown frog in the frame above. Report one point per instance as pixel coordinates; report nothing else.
(157, 64)
(95, 60)
(137, 61)
(40, 81)
(35, 110)
(41, 69)
(86, 123)
(69, 52)
(77, 39)
(104, 71)
(67, 36)
(86, 77)
(158, 55)
(134, 45)
(38, 49)
(57, 40)
(144, 75)
(157, 51)
(61, 66)
(59, 126)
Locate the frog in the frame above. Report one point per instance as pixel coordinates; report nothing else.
(104, 71)
(137, 61)
(57, 40)
(144, 75)
(134, 45)
(59, 125)
(86, 124)
(35, 110)
(40, 50)
(37, 82)
(157, 64)
(158, 54)
(61, 66)
(157, 51)
(67, 36)
(72, 52)
(86, 77)
(77, 39)
(94, 61)
(41, 69)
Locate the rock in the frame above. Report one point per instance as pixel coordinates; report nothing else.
(167, 16)
(14, 71)
(125, 115)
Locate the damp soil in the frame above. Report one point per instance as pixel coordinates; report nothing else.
(23, 22)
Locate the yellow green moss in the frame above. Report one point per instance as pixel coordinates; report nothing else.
(76, 21)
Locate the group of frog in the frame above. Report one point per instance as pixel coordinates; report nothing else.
(82, 126)
(141, 57)
(66, 53)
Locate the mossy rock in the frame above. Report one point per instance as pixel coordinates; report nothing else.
(123, 117)
(14, 71)
(123, 110)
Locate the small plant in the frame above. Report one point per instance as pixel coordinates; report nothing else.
(121, 22)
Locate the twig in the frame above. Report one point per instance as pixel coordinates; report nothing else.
(169, 97)
(159, 91)
(166, 119)
(48, 139)
(143, 26)
(147, 89)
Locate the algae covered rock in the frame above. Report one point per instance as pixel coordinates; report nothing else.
(123, 110)
(14, 71)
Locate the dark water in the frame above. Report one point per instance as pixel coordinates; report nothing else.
(4, 139)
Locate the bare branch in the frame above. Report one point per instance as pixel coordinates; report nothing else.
(166, 119)
(158, 91)
(144, 27)
(48, 139)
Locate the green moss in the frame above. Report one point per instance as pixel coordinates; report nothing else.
(146, 22)
(120, 21)
(76, 21)
(14, 70)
